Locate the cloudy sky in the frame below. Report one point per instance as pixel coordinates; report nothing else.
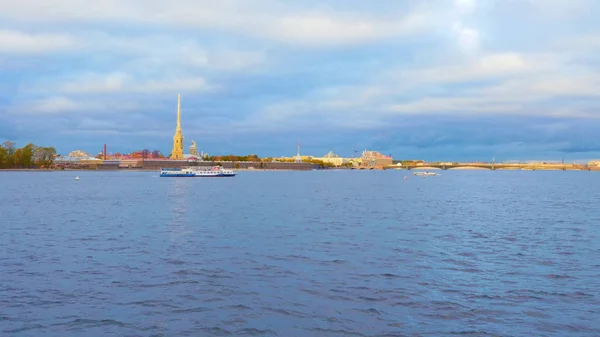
(436, 79)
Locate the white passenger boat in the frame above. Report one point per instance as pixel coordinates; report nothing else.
(197, 171)
(425, 174)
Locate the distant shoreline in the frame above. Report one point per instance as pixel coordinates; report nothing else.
(36, 170)
(132, 170)
(328, 169)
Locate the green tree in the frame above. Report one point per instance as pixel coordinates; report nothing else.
(43, 157)
(17, 157)
(9, 154)
(26, 160)
(3, 157)
(29, 156)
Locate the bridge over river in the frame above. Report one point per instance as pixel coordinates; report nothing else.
(489, 166)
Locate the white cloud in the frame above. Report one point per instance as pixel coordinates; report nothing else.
(161, 50)
(462, 46)
(118, 83)
(524, 95)
(486, 67)
(545, 87)
(223, 59)
(13, 42)
(468, 38)
(453, 105)
(124, 83)
(113, 132)
(511, 84)
(53, 105)
(62, 105)
(320, 28)
(262, 18)
(171, 50)
(465, 6)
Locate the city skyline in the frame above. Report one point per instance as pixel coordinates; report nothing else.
(442, 80)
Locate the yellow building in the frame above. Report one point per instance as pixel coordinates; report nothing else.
(334, 159)
(329, 158)
(177, 152)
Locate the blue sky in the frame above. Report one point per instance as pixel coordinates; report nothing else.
(435, 80)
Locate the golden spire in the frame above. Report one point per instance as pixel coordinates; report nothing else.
(179, 110)
(177, 152)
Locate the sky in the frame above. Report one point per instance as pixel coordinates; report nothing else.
(435, 80)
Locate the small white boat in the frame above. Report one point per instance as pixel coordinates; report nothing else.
(425, 174)
(77, 178)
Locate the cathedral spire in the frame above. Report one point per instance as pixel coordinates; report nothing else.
(179, 110)
(177, 152)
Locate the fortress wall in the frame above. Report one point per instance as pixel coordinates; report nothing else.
(288, 166)
(158, 164)
(108, 166)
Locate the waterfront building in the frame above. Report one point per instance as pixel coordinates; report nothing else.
(76, 159)
(334, 159)
(375, 159)
(177, 152)
(78, 154)
(329, 158)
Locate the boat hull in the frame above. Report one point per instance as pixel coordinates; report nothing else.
(222, 175)
(178, 175)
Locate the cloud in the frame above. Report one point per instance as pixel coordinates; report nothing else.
(14, 42)
(465, 6)
(123, 84)
(53, 105)
(260, 19)
(62, 105)
(149, 50)
(323, 29)
(485, 67)
(226, 60)
(468, 38)
(421, 78)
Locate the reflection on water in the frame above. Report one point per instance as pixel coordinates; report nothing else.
(179, 196)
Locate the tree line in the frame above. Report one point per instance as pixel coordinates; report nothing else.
(26, 157)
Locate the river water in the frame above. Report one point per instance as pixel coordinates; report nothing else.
(321, 253)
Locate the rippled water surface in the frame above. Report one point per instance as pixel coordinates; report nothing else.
(347, 253)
